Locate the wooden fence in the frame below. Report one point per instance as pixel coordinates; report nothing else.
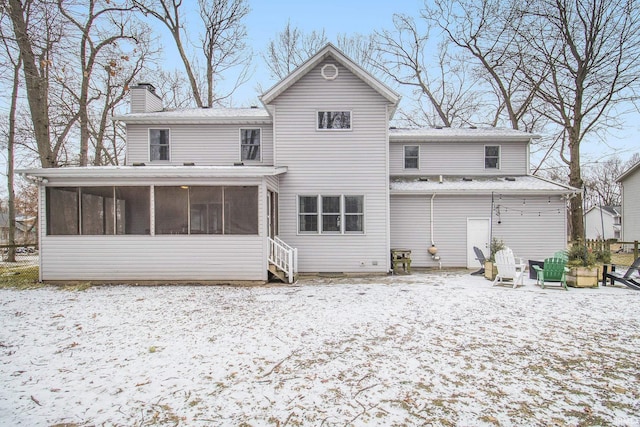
(599, 245)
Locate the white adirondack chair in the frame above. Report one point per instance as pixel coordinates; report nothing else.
(508, 268)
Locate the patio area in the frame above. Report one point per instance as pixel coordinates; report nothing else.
(441, 348)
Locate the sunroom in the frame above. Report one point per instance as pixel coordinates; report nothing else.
(160, 223)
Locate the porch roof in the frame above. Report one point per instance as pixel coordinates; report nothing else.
(200, 116)
(528, 184)
(155, 172)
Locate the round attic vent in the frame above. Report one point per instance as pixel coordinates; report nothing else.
(329, 72)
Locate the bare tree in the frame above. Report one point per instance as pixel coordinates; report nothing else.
(486, 30)
(98, 29)
(290, 48)
(583, 59)
(36, 34)
(222, 43)
(14, 62)
(403, 56)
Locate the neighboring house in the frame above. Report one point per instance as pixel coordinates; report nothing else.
(223, 194)
(603, 222)
(630, 183)
(25, 232)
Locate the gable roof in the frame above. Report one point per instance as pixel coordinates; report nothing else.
(610, 210)
(629, 172)
(332, 51)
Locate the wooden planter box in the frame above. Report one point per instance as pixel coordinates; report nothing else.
(583, 277)
(490, 270)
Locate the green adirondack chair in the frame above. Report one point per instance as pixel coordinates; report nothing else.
(555, 270)
(561, 254)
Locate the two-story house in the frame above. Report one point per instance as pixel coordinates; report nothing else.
(603, 222)
(315, 180)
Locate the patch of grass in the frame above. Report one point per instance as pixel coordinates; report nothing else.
(20, 277)
(77, 287)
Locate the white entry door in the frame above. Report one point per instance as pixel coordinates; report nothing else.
(477, 235)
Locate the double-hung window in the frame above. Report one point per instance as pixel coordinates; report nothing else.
(250, 144)
(331, 214)
(492, 157)
(158, 144)
(411, 156)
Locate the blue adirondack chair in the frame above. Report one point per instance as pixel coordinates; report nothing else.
(554, 270)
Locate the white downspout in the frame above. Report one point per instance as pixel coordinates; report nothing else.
(433, 243)
(433, 196)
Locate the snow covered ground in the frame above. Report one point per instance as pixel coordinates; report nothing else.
(437, 349)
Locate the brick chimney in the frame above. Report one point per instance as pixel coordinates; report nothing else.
(144, 99)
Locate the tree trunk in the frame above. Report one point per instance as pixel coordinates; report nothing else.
(11, 253)
(575, 180)
(36, 84)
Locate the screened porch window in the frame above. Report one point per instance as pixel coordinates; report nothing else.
(206, 210)
(97, 210)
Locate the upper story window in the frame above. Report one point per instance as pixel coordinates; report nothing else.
(492, 157)
(411, 156)
(250, 144)
(334, 120)
(158, 144)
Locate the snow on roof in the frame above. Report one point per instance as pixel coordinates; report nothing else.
(153, 171)
(629, 172)
(478, 184)
(457, 134)
(199, 115)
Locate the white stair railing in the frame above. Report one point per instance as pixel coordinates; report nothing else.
(284, 257)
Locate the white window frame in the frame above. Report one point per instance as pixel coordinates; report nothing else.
(320, 213)
(404, 157)
(240, 144)
(149, 145)
(484, 157)
(334, 110)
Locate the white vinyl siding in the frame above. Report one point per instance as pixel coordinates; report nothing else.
(200, 257)
(143, 101)
(334, 163)
(202, 144)
(411, 227)
(631, 207)
(161, 258)
(459, 158)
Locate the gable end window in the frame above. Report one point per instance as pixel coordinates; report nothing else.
(411, 157)
(250, 141)
(159, 145)
(331, 214)
(334, 120)
(492, 157)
